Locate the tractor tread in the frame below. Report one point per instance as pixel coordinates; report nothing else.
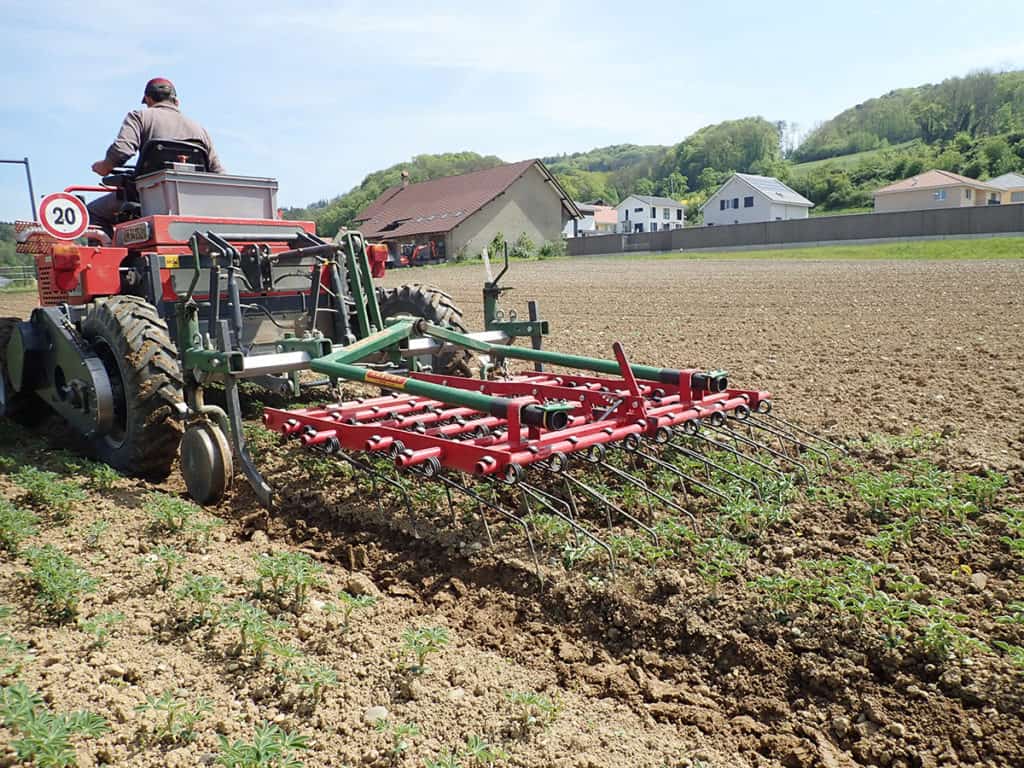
(436, 306)
(149, 370)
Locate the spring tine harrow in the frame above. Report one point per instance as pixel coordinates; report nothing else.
(797, 429)
(517, 437)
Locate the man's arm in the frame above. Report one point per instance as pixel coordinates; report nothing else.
(125, 145)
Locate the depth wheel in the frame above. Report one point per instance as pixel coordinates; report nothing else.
(20, 407)
(132, 341)
(206, 462)
(435, 306)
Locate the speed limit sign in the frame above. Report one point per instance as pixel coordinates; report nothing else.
(64, 216)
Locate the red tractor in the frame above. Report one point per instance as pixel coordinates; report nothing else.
(194, 253)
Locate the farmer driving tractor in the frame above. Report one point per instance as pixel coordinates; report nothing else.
(162, 120)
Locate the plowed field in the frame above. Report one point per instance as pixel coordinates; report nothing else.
(870, 614)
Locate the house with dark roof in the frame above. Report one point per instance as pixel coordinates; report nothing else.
(747, 198)
(649, 213)
(462, 214)
(935, 189)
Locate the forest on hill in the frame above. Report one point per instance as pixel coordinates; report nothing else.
(972, 125)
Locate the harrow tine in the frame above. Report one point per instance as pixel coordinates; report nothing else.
(376, 475)
(744, 457)
(544, 498)
(637, 482)
(757, 445)
(600, 498)
(711, 463)
(679, 473)
(796, 428)
(506, 513)
(781, 434)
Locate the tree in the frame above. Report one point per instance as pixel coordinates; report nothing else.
(643, 187)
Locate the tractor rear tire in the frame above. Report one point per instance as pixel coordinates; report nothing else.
(132, 341)
(20, 407)
(434, 306)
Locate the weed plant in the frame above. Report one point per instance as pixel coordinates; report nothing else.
(95, 532)
(169, 514)
(178, 716)
(272, 747)
(482, 753)
(400, 735)
(59, 581)
(444, 760)
(16, 525)
(165, 559)
(13, 656)
(718, 559)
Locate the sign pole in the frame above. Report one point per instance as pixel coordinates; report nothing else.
(28, 175)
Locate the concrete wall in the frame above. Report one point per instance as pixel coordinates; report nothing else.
(976, 220)
(530, 205)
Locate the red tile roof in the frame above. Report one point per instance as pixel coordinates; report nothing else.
(442, 204)
(932, 179)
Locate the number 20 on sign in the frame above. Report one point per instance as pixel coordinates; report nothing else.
(64, 216)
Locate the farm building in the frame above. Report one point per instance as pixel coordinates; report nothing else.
(463, 213)
(646, 213)
(598, 219)
(936, 189)
(1011, 186)
(746, 198)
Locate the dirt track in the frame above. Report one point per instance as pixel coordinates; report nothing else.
(655, 668)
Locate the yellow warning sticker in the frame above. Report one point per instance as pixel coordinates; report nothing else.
(172, 261)
(389, 380)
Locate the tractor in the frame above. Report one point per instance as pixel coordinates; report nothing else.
(201, 286)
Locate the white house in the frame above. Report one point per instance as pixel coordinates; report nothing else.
(746, 198)
(1011, 186)
(645, 213)
(597, 220)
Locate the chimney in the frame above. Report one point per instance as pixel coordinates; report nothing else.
(405, 179)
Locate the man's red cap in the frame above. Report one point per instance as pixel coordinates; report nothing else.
(159, 86)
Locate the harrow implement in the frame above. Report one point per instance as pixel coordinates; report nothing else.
(554, 443)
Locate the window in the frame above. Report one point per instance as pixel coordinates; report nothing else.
(638, 210)
(722, 204)
(1017, 197)
(654, 212)
(748, 202)
(735, 202)
(638, 227)
(666, 213)
(679, 214)
(967, 194)
(939, 195)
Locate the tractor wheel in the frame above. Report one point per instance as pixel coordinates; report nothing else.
(140, 358)
(435, 306)
(24, 408)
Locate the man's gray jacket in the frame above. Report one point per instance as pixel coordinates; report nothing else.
(161, 121)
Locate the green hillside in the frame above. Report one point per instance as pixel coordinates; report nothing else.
(972, 125)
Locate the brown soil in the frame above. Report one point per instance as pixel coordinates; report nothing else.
(653, 667)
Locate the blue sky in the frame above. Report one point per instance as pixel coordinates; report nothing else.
(320, 94)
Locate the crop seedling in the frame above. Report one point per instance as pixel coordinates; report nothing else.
(97, 530)
(169, 514)
(100, 627)
(178, 716)
(288, 573)
(203, 531)
(1016, 615)
(272, 747)
(532, 709)
(16, 525)
(1014, 653)
(423, 642)
(891, 535)
(255, 627)
(58, 580)
(165, 559)
(718, 558)
(350, 604)
(43, 737)
(101, 477)
(400, 735)
(444, 760)
(45, 490)
(481, 752)
(201, 589)
(313, 678)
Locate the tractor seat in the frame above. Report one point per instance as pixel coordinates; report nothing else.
(157, 155)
